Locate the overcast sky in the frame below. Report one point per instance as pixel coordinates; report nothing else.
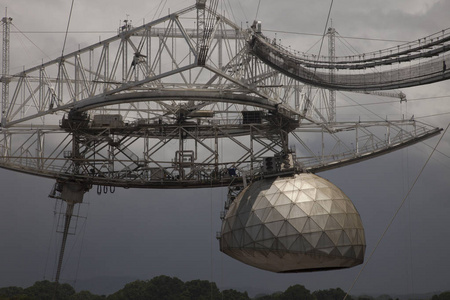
(139, 234)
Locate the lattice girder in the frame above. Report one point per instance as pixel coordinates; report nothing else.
(138, 110)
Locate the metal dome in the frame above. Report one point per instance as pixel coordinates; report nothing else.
(293, 224)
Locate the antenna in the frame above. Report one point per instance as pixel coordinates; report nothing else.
(5, 79)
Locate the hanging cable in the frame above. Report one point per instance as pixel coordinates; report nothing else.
(230, 9)
(321, 43)
(347, 37)
(34, 44)
(62, 50)
(395, 214)
(243, 11)
(83, 234)
(325, 29)
(67, 29)
(257, 10)
(53, 230)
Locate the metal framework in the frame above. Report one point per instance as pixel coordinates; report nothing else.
(332, 58)
(189, 100)
(416, 63)
(6, 22)
(139, 110)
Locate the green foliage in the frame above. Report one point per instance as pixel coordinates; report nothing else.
(10, 291)
(442, 296)
(384, 297)
(235, 295)
(201, 290)
(85, 295)
(365, 297)
(132, 290)
(274, 296)
(44, 290)
(164, 287)
(296, 292)
(18, 297)
(172, 288)
(330, 294)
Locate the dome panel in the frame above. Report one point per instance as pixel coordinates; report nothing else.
(273, 216)
(326, 204)
(273, 189)
(287, 241)
(336, 209)
(303, 197)
(321, 194)
(262, 213)
(298, 223)
(275, 227)
(284, 210)
(272, 198)
(280, 184)
(296, 212)
(311, 226)
(324, 242)
(340, 218)
(318, 210)
(248, 240)
(332, 224)
(342, 204)
(288, 230)
(265, 234)
(283, 200)
(253, 220)
(291, 194)
(301, 245)
(334, 236)
(289, 186)
(306, 207)
(328, 250)
(344, 240)
(311, 193)
(320, 220)
(243, 218)
(293, 224)
(253, 231)
(313, 238)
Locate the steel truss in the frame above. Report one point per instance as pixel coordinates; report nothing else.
(142, 109)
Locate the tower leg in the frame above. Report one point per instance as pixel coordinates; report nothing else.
(67, 219)
(72, 193)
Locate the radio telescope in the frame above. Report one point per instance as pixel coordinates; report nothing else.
(149, 107)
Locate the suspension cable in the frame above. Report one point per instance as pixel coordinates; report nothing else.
(321, 43)
(395, 214)
(31, 41)
(325, 29)
(67, 29)
(257, 10)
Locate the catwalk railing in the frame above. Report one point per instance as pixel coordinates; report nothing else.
(416, 65)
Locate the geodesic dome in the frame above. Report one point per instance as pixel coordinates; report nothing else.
(293, 224)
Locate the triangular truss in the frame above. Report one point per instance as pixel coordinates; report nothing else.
(175, 104)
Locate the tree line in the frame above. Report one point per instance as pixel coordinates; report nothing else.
(172, 288)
